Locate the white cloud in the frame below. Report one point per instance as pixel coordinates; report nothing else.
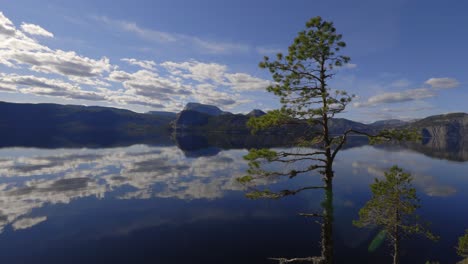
(29, 84)
(397, 97)
(6, 26)
(119, 76)
(145, 64)
(217, 47)
(148, 34)
(17, 49)
(165, 37)
(246, 82)
(36, 30)
(198, 71)
(442, 83)
(411, 94)
(168, 85)
(61, 62)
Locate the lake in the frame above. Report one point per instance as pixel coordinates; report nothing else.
(170, 204)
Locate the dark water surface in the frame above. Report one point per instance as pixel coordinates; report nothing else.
(160, 204)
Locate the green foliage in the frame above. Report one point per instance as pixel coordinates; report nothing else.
(396, 135)
(301, 76)
(462, 248)
(255, 154)
(393, 206)
(272, 118)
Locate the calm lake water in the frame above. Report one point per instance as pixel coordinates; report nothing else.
(159, 204)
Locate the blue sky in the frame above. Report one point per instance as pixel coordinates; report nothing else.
(408, 57)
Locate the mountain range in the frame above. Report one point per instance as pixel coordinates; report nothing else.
(54, 122)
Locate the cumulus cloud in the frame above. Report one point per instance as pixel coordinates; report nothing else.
(17, 49)
(30, 84)
(411, 94)
(246, 82)
(6, 26)
(442, 83)
(217, 74)
(145, 64)
(397, 97)
(66, 63)
(150, 84)
(67, 74)
(36, 30)
(198, 71)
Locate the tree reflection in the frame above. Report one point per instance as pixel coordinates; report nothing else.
(325, 222)
(297, 165)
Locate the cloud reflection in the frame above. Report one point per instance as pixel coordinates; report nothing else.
(30, 181)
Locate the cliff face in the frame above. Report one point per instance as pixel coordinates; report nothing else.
(443, 127)
(190, 118)
(197, 115)
(203, 108)
(444, 136)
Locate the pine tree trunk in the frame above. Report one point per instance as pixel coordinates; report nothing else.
(396, 245)
(327, 226)
(396, 253)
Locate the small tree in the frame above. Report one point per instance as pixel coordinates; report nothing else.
(392, 208)
(462, 248)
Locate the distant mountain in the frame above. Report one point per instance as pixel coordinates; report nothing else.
(164, 114)
(203, 108)
(196, 120)
(389, 123)
(256, 113)
(49, 124)
(339, 125)
(446, 126)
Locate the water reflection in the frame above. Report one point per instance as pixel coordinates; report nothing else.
(52, 177)
(113, 194)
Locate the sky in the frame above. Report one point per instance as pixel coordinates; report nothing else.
(407, 57)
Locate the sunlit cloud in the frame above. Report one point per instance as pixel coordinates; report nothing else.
(69, 75)
(443, 83)
(397, 97)
(36, 30)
